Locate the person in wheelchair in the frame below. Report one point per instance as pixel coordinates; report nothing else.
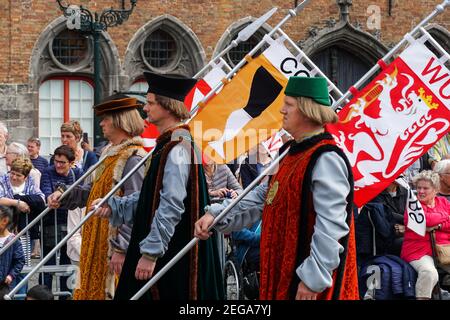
(246, 253)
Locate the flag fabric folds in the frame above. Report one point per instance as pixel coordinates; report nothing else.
(394, 120)
(247, 110)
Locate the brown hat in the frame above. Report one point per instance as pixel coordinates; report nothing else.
(116, 102)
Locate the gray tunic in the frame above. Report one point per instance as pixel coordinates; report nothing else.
(330, 189)
(171, 206)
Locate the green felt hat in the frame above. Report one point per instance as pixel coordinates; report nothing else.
(314, 88)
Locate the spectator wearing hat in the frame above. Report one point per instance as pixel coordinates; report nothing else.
(103, 248)
(307, 252)
(172, 198)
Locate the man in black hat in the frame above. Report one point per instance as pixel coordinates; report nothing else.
(163, 214)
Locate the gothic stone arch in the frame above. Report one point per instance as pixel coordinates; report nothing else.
(192, 53)
(42, 66)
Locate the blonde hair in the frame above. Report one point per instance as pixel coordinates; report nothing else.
(427, 175)
(22, 165)
(129, 121)
(177, 108)
(316, 112)
(74, 127)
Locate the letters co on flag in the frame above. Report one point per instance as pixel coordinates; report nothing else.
(246, 111)
(394, 120)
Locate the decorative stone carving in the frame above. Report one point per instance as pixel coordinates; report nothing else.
(344, 6)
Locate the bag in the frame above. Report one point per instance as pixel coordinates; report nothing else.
(442, 252)
(251, 285)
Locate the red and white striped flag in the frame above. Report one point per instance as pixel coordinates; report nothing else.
(204, 86)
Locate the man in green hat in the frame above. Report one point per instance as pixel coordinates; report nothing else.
(307, 240)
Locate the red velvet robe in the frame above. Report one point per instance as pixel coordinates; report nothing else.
(288, 225)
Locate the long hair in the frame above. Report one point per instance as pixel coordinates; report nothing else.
(316, 112)
(177, 108)
(129, 121)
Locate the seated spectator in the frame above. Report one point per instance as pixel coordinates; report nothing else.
(416, 249)
(71, 134)
(246, 244)
(442, 168)
(221, 182)
(394, 199)
(13, 259)
(34, 147)
(56, 176)
(39, 292)
(17, 150)
(18, 191)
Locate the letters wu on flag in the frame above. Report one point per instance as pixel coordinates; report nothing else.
(394, 120)
(247, 110)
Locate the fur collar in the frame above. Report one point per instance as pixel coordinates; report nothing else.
(111, 150)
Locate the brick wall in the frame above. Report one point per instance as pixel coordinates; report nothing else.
(24, 20)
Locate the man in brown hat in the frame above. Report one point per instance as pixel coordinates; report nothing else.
(172, 198)
(121, 125)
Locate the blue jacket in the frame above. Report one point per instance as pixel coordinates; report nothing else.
(12, 260)
(409, 277)
(49, 180)
(381, 273)
(384, 231)
(397, 278)
(246, 239)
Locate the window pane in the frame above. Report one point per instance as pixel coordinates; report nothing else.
(160, 49)
(56, 127)
(81, 101)
(70, 47)
(74, 89)
(51, 110)
(140, 86)
(44, 128)
(44, 108)
(87, 91)
(56, 89)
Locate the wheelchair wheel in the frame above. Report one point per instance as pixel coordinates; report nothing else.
(232, 281)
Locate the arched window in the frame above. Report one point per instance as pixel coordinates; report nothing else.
(62, 99)
(160, 50)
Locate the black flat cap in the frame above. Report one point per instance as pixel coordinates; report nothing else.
(175, 87)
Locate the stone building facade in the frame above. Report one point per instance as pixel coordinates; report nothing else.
(344, 37)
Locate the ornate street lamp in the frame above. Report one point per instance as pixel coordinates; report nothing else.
(80, 18)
